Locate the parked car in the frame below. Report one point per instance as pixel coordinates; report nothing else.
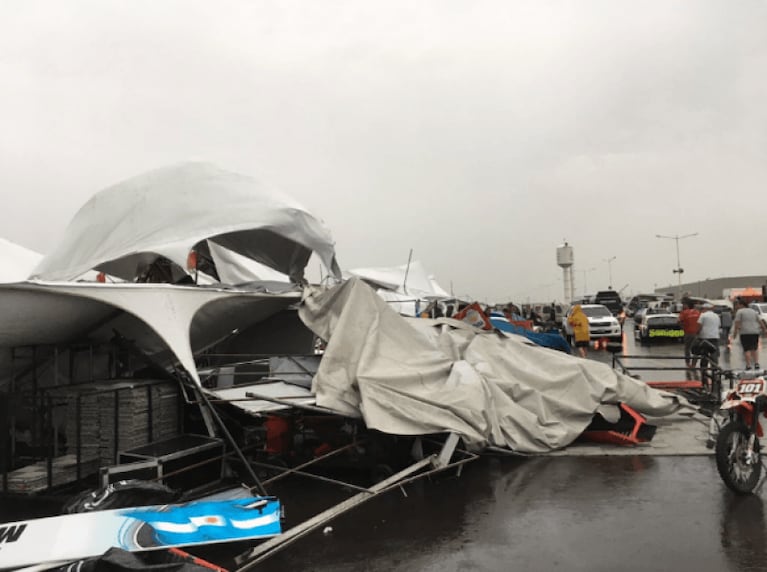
(761, 309)
(602, 324)
(641, 300)
(611, 299)
(544, 312)
(654, 308)
(659, 327)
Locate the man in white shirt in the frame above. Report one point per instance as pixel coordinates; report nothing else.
(708, 331)
(749, 326)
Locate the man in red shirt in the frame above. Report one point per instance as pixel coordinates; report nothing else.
(688, 317)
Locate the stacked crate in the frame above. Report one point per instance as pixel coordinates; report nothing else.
(34, 478)
(116, 416)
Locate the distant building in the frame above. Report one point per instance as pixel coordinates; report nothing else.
(715, 287)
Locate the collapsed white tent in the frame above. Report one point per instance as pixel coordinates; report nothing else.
(166, 321)
(416, 376)
(403, 287)
(410, 279)
(166, 212)
(234, 268)
(16, 262)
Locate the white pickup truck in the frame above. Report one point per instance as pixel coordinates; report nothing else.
(602, 324)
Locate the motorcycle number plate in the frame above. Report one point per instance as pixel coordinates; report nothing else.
(750, 386)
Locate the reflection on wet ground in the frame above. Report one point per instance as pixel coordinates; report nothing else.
(563, 513)
(545, 513)
(616, 513)
(649, 355)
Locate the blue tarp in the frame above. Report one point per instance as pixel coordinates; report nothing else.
(551, 339)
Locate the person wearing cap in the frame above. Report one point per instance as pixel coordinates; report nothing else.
(749, 326)
(708, 332)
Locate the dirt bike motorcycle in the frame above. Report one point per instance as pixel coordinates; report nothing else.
(737, 447)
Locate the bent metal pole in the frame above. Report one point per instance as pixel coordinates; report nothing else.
(212, 410)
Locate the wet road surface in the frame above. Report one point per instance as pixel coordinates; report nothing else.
(547, 513)
(605, 513)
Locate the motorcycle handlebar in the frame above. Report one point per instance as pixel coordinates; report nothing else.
(738, 373)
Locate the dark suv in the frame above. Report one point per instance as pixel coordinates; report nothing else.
(611, 299)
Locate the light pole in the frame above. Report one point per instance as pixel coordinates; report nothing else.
(585, 286)
(610, 270)
(678, 270)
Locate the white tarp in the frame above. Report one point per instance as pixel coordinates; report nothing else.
(416, 376)
(234, 268)
(407, 289)
(16, 262)
(412, 280)
(404, 304)
(169, 210)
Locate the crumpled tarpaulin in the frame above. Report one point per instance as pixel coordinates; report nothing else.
(417, 376)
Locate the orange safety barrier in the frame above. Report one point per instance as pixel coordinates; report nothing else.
(689, 384)
(631, 429)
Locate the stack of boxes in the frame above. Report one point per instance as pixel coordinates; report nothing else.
(121, 415)
(112, 416)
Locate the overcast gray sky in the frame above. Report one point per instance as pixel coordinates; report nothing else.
(478, 133)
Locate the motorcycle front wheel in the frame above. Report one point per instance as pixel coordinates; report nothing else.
(739, 472)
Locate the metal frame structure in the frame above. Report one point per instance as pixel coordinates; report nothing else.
(421, 468)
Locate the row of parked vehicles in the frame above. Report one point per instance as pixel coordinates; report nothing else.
(655, 316)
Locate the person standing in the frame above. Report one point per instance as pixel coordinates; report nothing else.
(688, 317)
(749, 326)
(580, 325)
(534, 317)
(726, 317)
(708, 332)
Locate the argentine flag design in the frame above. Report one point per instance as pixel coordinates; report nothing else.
(202, 521)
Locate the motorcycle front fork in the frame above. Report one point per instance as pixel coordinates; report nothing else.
(750, 457)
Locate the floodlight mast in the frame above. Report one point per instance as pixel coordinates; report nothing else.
(678, 270)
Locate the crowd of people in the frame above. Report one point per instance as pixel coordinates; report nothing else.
(705, 331)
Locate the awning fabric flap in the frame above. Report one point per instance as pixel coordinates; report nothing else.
(411, 376)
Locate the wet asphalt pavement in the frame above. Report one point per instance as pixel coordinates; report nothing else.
(605, 513)
(553, 513)
(545, 513)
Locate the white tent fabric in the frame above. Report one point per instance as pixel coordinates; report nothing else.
(401, 303)
(160, 318)
(411, 280)
(416, 376)
(16, 262)
(234, 268)
(407, 289)
(169, 210)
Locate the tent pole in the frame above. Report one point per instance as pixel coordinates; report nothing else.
(407, 270)
(258, 486)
